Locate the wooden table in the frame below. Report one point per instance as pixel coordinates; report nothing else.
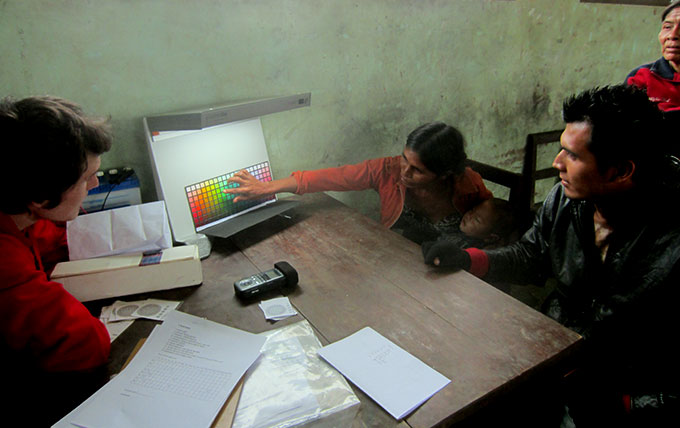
(355, 273)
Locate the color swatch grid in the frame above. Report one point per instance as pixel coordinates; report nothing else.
(209, 204)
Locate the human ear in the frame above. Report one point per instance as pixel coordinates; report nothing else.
(34, 207)
(622, 173)
(619, 177)
(446, 177)
(38, 205)
(625, 171)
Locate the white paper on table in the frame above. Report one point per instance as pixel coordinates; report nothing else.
(180, 377)
(136, 228)
(277, 308)
(155, 309)
(115, 329)
(395, 379)
(120, 315)
(120, 311)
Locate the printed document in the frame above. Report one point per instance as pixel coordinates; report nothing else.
(395, 379)
(181, 377)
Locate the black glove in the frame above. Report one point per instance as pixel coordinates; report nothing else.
(445, 254)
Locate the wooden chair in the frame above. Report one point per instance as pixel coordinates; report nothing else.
(523, 186)
(522, 197)
(531, 172)
(513, 181)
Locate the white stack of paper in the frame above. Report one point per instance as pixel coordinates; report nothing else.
(395, 379)
(181, 377)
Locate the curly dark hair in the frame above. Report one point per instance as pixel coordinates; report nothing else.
(44, 143)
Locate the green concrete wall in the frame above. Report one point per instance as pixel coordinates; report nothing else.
(376, 68)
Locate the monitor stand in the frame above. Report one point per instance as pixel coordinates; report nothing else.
(251, 218)
(201, 241)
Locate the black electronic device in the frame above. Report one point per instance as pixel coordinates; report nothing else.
(282, 277)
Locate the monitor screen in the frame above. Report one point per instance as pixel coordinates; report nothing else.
(192, 167)
(195, 152)
(209, 205)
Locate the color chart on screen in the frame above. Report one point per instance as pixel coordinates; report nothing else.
(209, 204)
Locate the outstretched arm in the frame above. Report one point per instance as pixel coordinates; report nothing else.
(364, 175)
(252, 188)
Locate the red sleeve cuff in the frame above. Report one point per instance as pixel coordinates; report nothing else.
(627, 403)
(479, 262)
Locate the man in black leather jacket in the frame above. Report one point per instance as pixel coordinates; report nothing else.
(610, 234)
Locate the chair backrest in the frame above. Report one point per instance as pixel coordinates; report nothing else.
(523, 186)
(515, 182)
(511, 180)
(531, 171)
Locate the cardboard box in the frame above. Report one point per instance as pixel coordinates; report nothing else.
(113, 276)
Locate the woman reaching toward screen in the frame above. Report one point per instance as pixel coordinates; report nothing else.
(423, 193)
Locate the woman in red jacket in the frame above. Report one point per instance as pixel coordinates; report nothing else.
(423, 193)
(49, 342)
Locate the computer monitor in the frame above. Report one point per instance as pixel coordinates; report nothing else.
(193, 155)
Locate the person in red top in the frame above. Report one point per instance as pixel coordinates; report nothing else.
(423, 193)
(50, 344)
(661, 79)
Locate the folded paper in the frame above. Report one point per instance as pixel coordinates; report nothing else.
(132, 229)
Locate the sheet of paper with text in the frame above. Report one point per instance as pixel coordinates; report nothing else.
(181, 377)
(395, 379)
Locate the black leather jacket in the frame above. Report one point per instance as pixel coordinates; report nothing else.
(625, 307)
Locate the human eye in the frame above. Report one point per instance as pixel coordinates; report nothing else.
(571, 155)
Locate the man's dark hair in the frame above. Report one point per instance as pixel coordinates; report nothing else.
(668, 9)
(625, 126)
(441, 148)
(44, 143)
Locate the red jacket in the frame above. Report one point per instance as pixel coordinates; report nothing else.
(383, 175)
(40, 322)
(661, 82)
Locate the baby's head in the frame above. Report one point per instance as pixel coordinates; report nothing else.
(491, 221)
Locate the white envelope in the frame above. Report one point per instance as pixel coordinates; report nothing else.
(136, 228)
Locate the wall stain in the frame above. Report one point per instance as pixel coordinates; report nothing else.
(365, 138)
